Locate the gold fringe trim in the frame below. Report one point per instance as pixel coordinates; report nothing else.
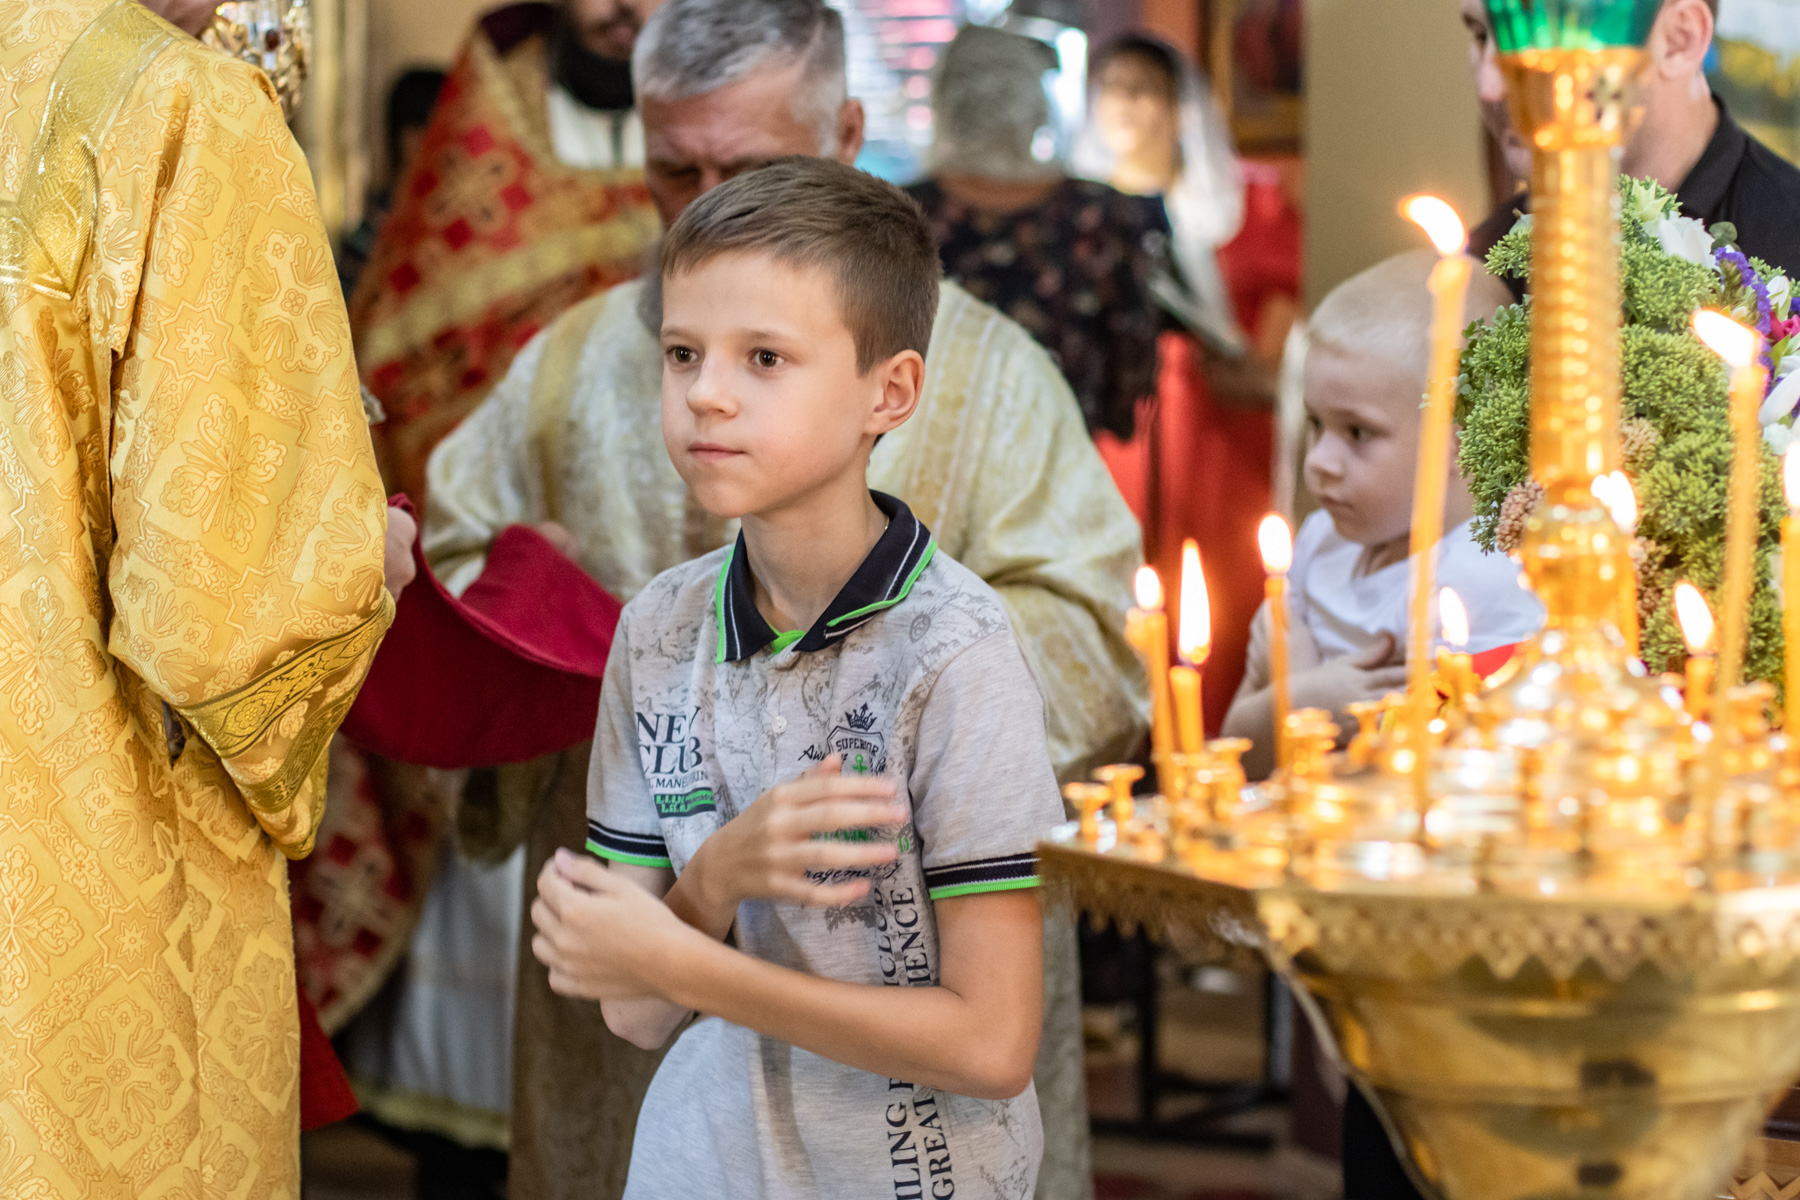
(1206, 918)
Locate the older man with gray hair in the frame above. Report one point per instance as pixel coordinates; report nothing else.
(996, 462)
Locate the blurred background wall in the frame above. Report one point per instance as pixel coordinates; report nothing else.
(1402, 118)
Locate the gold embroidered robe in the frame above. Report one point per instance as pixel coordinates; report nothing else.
(191, 532)
(996, 462)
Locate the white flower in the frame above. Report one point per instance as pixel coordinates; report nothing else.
(1779, 437)
(1789, 364)
(1779, 290)
(1781, 401)
(1682, 237)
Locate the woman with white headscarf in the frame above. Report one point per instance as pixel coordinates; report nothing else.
(1199, 465)
(1155, 131)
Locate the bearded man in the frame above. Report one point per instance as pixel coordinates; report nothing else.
(527, 195)
(192, 544)
(997, 462)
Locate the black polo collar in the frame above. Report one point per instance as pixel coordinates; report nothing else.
(1703, 191)
(881, 581)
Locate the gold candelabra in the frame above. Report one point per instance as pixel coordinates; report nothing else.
(1549, 922)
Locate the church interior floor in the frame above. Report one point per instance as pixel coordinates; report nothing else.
(1212, 1031)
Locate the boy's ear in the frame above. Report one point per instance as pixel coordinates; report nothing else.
(902, 378)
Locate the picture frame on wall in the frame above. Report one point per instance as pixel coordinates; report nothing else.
(1255, 53)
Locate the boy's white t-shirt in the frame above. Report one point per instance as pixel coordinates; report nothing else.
(1346, 612)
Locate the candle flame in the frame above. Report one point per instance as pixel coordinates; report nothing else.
(1276, 543)
(1148, 585)
(1438, 220)
(1790, 475)
(1614, 490)
(1453, 617)
(1193, 639)
(1734, 343)
(1694, 617)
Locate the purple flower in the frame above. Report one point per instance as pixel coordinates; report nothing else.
(1747, 279)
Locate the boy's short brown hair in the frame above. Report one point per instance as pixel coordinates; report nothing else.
(817, 212)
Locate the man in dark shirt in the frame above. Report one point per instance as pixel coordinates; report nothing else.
(1688, 141)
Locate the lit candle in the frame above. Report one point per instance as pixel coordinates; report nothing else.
(1455, 664)
(1449, 286)
(1277, 546)
(1696, 621)
(1790, 598)
(1737, 345)
(1193, 640)
(1614, 490)
(1147, 629)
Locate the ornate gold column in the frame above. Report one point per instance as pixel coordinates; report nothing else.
(1573, 106)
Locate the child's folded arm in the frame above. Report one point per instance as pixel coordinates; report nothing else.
(976, 1034)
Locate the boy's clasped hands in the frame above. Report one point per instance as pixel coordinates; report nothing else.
(603, 937)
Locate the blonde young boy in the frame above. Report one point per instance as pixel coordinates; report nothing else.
(1366, 364)
(824, 737)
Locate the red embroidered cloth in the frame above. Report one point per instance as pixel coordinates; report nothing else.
(490, 239)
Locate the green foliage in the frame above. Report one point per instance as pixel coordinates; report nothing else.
(1662, 291)
(1511, 256)
(1672, 382)
(1493, 406)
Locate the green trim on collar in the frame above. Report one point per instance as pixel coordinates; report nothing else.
(719, 586)
(905, 589)
(784, 640)
(883, 579)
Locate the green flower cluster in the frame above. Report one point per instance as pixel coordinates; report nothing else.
(1675, 425)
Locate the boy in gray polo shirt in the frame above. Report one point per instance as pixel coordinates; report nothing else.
(823, 737)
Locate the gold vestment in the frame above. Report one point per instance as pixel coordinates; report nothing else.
(191, 531)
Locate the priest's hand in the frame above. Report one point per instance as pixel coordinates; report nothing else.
(811, 824)
(601, 935)
(557, 535)
(396, 556)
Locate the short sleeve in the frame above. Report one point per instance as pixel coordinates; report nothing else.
(983, 789)
(622, 822)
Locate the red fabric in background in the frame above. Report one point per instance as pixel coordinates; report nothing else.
(325, 1095)
(1213, 460)
(508, 673)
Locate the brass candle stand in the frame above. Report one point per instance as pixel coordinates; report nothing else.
(1554, 931)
